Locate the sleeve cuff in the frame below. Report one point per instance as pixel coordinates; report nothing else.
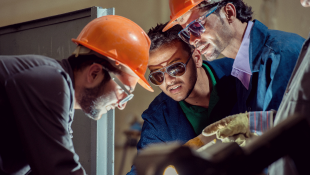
(260, 121)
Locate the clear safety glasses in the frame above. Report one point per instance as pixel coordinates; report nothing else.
(175, 70)
(120, 84)
(195, 27)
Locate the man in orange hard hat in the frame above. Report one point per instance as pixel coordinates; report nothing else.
(38, 95)
(263, 59)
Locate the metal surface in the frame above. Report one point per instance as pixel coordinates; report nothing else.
(105, 144)
(51, 36)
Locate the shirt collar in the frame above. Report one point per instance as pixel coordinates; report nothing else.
(66, 66)
(242, 60)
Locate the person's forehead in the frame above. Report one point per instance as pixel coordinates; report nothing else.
(189, 16)
(166, 53)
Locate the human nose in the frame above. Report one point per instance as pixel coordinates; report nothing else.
(194, 39)
(169, 79)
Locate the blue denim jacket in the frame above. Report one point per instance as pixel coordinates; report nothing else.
(273, 55)
(164, 120)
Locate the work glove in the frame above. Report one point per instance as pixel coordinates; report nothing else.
(199, 141)
(233, 128)
(194, 143)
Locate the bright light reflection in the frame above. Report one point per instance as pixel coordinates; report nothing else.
(170, 170)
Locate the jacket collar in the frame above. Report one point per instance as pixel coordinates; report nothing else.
(259, 36)
(66, 66)
(217, 71)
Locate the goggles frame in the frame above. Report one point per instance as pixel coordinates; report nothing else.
(127, 92)
(120, 84)
(187, 31)
(163, 72)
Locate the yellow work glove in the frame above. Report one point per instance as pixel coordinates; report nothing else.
(240, 139)
(194, 143)
(199, 141)
(233, 128)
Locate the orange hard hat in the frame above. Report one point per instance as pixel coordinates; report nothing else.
(178, 8)
(121, 40)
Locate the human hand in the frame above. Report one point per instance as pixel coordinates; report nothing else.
(233, 128)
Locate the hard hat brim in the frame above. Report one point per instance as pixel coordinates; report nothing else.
(172, 21)
(144, 83)
(142, 80)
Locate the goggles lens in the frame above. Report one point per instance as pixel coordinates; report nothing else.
(194, 28)
(128, 93)
(174, 70)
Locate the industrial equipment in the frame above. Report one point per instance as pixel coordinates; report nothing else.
(289, 138)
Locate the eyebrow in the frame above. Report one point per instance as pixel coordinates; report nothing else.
(168, 63)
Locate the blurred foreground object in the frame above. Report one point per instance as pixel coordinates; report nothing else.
(132, 136)
(229, 158)
(233, 128)
(200, 141)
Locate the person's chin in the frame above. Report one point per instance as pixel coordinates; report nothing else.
(211, 55)
(178, 97)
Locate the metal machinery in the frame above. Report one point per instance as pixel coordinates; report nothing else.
(51, 36)
(289, 138)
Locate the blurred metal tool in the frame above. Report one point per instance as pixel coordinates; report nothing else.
(231, 159)
(132, 137)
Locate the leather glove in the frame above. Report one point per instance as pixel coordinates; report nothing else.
(240, 139)
(233, 128)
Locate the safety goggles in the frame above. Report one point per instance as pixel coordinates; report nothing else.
(175, 70)
(195, 27)
(120, 84)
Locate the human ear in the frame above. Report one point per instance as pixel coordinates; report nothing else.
(230, 12)
(95, 73)
(197, 58)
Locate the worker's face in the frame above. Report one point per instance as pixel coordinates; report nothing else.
(106, 95)
(305, 3)
(178, 88)
(216, 37)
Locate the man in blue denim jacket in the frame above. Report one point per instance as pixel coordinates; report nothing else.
(195, 93)
(263, 59)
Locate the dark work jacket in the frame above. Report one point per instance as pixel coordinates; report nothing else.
(36, 105)
(273, 55)
(164, 120)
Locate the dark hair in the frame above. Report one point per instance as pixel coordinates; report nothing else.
(82, 61)
(160, 38)
(244, 12)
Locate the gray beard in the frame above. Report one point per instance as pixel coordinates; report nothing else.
(89, 100)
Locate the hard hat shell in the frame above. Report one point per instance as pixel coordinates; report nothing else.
(121, 40)
(179, 8)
